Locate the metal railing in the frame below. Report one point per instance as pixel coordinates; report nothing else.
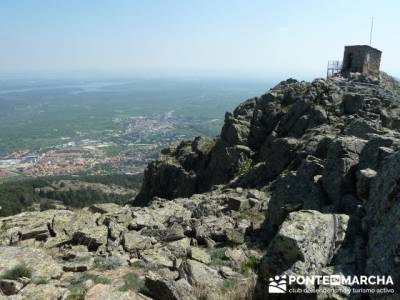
(334, 68)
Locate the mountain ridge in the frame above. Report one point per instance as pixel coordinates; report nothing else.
(254, 128)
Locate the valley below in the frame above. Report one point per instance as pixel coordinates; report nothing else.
(94, 127)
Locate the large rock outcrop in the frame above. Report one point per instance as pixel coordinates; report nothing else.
(382, 220)
(328, 147)
(329, 119)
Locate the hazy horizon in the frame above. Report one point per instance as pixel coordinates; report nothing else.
(257, 40)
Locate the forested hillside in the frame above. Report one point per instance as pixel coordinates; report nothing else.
(40, 193)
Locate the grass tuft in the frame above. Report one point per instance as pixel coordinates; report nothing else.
(40, 280)
(96, 279)
(250, 264)
(78, 290)
(132, 282)
(108, 263)
(17, 272)
(218, 257)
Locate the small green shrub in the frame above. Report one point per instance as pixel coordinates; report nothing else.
(229, 284)
(96, 279)
(235, 289)
(140, 264)
(108, 263)
(218, 257)
(77, 296)
(40, 280)
(252, 263)
(46, 205)
(132, 282)
(17, 272)
(102, 280)
(78, 290)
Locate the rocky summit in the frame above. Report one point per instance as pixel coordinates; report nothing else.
(302, 181)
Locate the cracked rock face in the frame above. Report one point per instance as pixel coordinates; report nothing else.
(305, 243)
(303, 180)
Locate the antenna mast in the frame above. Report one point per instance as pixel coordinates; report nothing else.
(372, 28)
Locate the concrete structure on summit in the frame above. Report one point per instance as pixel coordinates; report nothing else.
(361, 59)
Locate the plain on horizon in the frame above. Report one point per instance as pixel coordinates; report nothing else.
(271, 39)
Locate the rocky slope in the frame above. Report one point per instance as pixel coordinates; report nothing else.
(302, 181)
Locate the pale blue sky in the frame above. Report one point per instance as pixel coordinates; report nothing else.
(258, 38)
